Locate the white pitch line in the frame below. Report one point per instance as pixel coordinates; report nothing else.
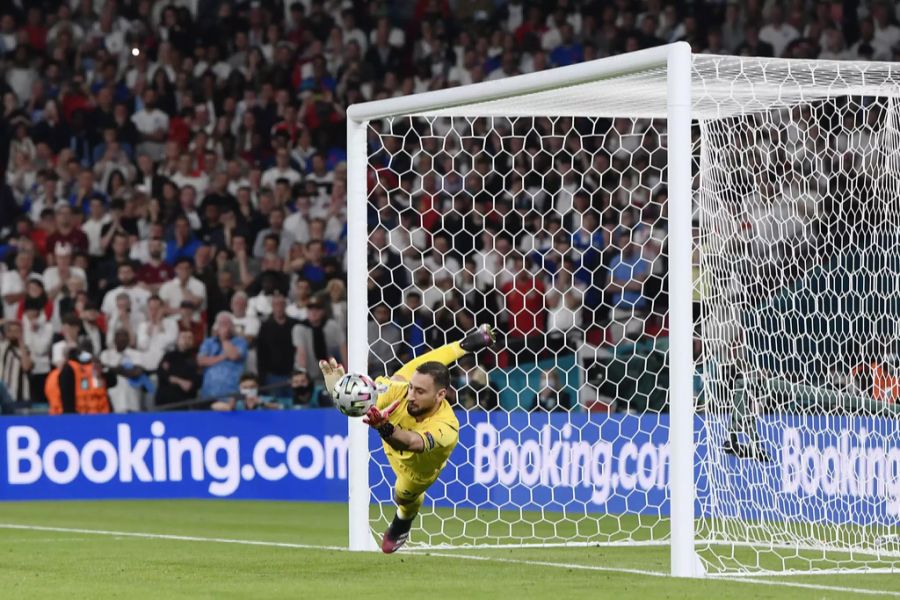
(166, 536)
(791, 584)
(535, 563)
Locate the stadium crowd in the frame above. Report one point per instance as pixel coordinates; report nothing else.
(173, 210)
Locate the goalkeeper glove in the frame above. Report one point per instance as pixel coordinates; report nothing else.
(378, 419)
(481, 338)
(332, 372)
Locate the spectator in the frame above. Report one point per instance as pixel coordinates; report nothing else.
(57, 276)
(106, 272)
(222, 357)
(92, 324)
(93, 227)
(246, 325)
(37, 334)
(183, 287)
(137, 295)
(318, 338)
(78, 384)
(281, 170)
(186, 321)
(248, 397)
(385, 339)
(304, 392)
(67, 340)
(564, 301)
(16, 363)
(152, 126)
(552, 395)
(154, 273)
(273, 360)
(243, 267)
(124, 318)
(336, 293)
(629, 270)
(126, 363)
(284, 239)
(156, 334)
(12, 283)
(183, 244)
(524, 304)
(300, 298)
(66, 232)
(178, 374)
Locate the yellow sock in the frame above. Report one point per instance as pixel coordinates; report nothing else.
(408, 511)
(445, 355)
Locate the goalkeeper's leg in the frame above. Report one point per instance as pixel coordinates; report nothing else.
(408, 495)
(481, 338)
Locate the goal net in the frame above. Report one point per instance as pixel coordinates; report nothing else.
(547, 206)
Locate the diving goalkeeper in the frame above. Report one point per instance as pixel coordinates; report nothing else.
(418, 438)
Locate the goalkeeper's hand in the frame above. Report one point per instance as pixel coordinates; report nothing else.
(332, 372)
(376, 418)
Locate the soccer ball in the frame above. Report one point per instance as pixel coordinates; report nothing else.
(354, 394)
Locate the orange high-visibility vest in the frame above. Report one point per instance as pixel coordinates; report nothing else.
(90, 390)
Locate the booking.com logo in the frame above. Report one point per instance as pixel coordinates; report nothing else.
(163, 459)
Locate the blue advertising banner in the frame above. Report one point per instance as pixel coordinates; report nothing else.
(827, 469)
(266, 455)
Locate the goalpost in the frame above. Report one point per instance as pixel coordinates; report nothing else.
(699, 220)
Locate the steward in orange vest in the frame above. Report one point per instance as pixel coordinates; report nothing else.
(77, 386)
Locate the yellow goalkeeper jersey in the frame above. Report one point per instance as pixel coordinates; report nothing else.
(439, 432)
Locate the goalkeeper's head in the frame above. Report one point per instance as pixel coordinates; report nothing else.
(428, 387)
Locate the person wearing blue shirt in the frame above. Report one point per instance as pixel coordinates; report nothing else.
(569, 51)
(183, 244)
(222, 355)
(629, 270)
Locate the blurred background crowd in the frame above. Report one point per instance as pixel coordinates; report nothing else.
(173, 205)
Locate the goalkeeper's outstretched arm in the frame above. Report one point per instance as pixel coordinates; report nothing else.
(481, 338)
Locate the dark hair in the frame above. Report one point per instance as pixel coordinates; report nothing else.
(249, 376)
(438, 371)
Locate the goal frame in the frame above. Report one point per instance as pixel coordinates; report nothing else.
(676, 59)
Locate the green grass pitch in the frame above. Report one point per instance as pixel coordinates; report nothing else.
(80, 550)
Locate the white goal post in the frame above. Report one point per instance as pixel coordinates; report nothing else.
(714, 117)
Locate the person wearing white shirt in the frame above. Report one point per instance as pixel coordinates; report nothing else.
(152, 124)
(564, 302)
(886, 33)
(59, 275)
(183, 287)
(126, 362)
(281, 170)
(37, 334)
(867, 47)
(245, 324)
(124, 318)
(93, 226)
(187, 177)
(489, 263)
(276, 227)
(12, 283)
(155, 335)
(439, 256)
(297, 223)
(321, 176)
(136, 294)
(778, 33)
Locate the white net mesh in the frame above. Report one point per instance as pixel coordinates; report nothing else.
(546, 216)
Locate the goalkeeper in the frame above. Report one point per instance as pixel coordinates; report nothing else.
(418, 438)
